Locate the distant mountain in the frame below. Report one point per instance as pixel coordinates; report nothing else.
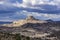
(49, 20)
(3, 22)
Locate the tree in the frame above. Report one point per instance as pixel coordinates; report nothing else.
(27, 38)
(18, 37)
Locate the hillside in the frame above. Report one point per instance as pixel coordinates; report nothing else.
(34, 28)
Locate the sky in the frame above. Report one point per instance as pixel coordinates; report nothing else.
(11, 10)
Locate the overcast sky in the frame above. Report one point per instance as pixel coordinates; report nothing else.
(18, 9)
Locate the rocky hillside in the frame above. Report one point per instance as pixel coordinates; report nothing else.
(34, 28)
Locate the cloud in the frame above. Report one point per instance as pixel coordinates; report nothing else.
(44, 5)
(16, 9)
(23, 14)
(39, 15)
(50, 16)
(33, 3)
(38, 2)
(1, 2)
